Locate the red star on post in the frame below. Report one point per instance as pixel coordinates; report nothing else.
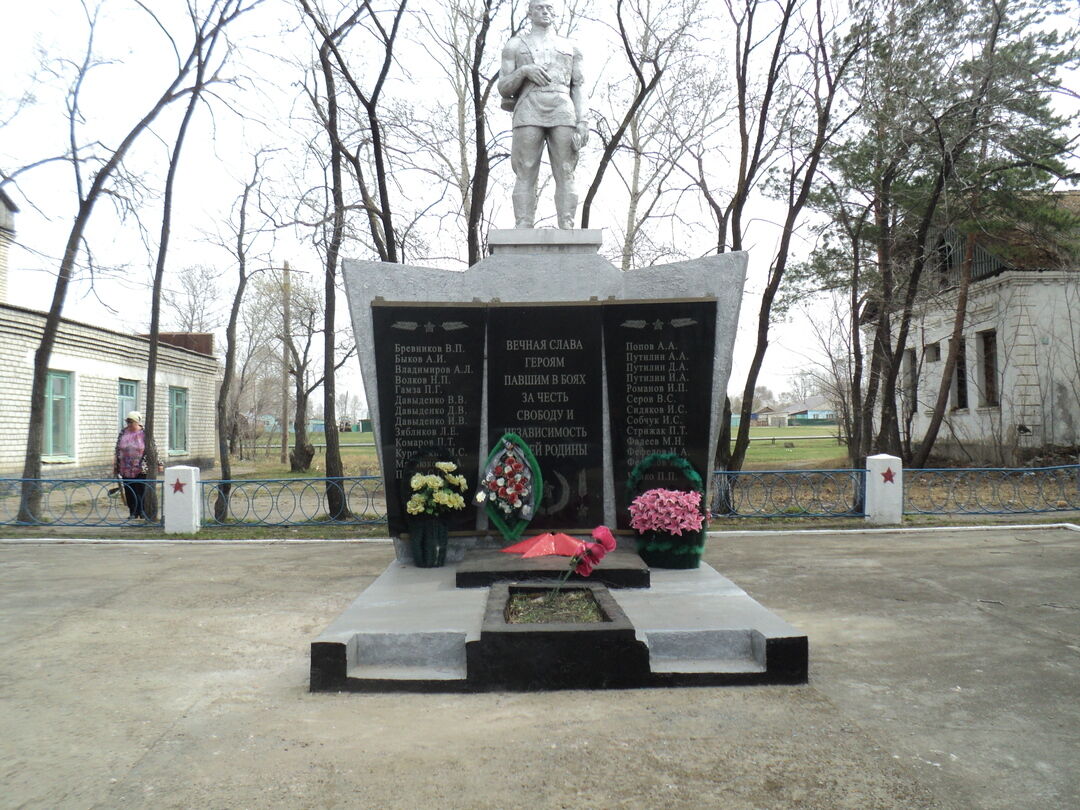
(177, 486)
(889, 476)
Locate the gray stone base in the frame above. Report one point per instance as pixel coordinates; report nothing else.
(414, 630)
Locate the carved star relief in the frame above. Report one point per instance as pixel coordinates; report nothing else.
(889, 476)
(177, 486)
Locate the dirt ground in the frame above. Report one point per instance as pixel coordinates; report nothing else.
(945, 672)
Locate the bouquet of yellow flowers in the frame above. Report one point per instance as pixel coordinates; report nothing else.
(437, 493)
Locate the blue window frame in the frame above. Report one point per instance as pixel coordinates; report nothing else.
(178, 420)
(59, 439)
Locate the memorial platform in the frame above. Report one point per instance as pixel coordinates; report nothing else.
(414, 629)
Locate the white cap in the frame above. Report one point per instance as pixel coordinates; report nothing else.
(134, 416)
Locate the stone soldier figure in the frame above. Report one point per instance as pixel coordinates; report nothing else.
(540, 80)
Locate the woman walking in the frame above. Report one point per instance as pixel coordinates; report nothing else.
(130, 463)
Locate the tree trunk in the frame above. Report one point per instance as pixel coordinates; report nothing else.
(947, 373)
(159, 276)
(336, 505)
(482, 166)
(302, 451)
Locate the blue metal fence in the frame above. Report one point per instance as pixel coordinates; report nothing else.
(74, 502)
(992, 490)
(294, 501)
(744, 494)
(788, 493)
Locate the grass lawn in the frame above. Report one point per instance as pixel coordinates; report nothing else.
(768, 450)
(357, 457)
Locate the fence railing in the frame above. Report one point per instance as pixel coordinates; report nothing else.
(74, 502)
(294, 501)
(361, 500)
(788, 493)
(991, 491)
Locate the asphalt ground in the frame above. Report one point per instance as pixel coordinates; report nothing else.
(944, 672)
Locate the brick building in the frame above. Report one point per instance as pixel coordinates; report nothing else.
(96, 376)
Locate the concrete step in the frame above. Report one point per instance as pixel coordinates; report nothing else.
(691, 666)
(404, 674)
(431, 655)
(717, 650)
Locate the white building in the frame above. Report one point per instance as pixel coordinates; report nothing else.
(95, 377)
(1016, 388)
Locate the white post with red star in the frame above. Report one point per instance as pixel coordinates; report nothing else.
(183, 500)
(884, 489)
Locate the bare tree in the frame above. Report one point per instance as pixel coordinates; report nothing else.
(663, 135)
(241, 249)
(652, 37)
(797, 124)
(190, 73)
(455, 136)
(193, 307)
(207, 34)
(303, 341)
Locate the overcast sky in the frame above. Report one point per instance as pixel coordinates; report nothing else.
(213, 171)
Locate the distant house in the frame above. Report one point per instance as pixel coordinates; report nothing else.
(95, 377)
(1016, 387)
(813, 409)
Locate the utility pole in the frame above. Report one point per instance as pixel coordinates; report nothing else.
(285, 297)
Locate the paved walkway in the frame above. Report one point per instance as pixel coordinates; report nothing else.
(944, 672)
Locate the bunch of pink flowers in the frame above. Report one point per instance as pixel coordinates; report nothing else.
(666, 510)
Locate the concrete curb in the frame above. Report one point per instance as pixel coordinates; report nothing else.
(1073, 527)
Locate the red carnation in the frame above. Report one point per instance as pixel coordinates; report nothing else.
(605, 537)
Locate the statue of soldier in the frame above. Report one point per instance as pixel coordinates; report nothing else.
(540, 80)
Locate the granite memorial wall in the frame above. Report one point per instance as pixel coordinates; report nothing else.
(545, 382)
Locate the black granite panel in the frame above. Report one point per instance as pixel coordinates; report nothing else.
(606, 654)
(660, 375)
(429, 366)
(544, 384)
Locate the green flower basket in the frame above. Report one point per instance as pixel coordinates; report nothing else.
(663, 550)
(427, 540)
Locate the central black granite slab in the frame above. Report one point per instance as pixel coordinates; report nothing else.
(621, 568)
(601, 655)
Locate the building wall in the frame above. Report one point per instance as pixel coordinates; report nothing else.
(98, 359)
(5, 239)
(1036, 318)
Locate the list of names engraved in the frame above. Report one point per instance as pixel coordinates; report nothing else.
(429, 369)
(660, 363)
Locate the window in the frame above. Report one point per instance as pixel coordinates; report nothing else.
(959, 386)
(932, 352)
(945, 264)
(988, 368)
(127, 399)
(178, 420)
(59, 415)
